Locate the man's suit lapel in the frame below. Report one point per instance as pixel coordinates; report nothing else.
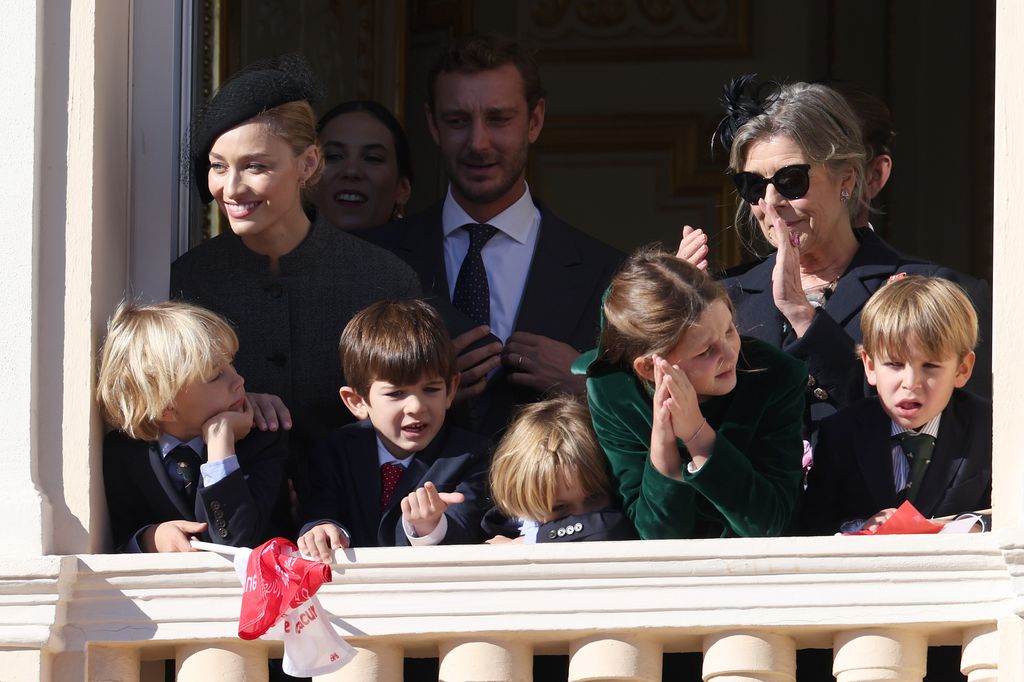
(872, 448)
(951, 448)
(557, 274)
(156, 462)
(421, 245)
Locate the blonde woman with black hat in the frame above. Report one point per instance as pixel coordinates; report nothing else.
(287, 284)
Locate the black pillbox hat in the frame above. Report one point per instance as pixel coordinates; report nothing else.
(253, 90)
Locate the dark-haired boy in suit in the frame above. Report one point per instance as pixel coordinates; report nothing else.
(401, 476)
(922, 438)
(183, 462)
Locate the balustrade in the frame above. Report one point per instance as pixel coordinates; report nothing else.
(484, 612)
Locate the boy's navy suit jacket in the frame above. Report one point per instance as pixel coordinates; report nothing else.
(345, 482)
(244, 509)
(852, 477)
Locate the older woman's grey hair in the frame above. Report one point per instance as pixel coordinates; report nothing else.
(818, 119)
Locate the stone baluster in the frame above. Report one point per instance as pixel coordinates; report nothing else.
(112, 663)
(486, 661)
(747, 656)
(880, 654)
(624, 658)
(373, 663)
(221, 660)
(980, 659)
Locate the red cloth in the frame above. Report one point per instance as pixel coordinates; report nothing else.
(906, 521)
(277, 579)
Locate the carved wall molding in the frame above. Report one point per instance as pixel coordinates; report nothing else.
(605, 30)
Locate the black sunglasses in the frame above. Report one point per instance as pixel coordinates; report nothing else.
(791, 182)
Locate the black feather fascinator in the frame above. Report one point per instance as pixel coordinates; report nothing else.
(258, 87)
(742, 99)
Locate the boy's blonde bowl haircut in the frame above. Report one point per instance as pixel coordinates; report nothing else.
(150, 353)
(934, 312)
(397, 341)
(547, 440)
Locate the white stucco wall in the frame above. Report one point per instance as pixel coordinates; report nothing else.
(19, 228)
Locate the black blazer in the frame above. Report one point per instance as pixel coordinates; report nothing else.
(244, 509)
(835, 373)
(562, 298)
(852, 473)
(345, 477)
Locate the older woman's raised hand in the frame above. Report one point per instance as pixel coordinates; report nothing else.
(787, 290)
(693, 247)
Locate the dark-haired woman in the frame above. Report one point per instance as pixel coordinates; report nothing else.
(367, 176)
(289, 286)
(798, 158)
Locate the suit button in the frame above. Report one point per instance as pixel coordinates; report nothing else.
(561, 532)
(218, 514)
(223, 532)
(569, 530)
(811, 381)
(215, 505)
(578, 526)
(820, 393)
(552, 534)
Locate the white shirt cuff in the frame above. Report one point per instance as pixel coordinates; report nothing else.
(434, 537)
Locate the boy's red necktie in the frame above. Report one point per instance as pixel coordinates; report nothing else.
(390, 473)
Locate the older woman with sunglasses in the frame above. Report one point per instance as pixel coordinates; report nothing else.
(798, 159)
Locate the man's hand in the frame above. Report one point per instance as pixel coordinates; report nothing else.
(321, 540)
(474, 365)
(693, 247)
(424, 507)
(170, 536)
(224, 429)
(269, 412)
(542, 364)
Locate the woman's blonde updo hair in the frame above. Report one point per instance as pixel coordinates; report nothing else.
(817, 119)
(295, 123)
(651, 303)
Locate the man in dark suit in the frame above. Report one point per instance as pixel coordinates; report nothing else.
(529, 285)
(922, 439)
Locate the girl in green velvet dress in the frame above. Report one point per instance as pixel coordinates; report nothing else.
(702, 427)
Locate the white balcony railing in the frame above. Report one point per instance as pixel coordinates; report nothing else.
(614, 608)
